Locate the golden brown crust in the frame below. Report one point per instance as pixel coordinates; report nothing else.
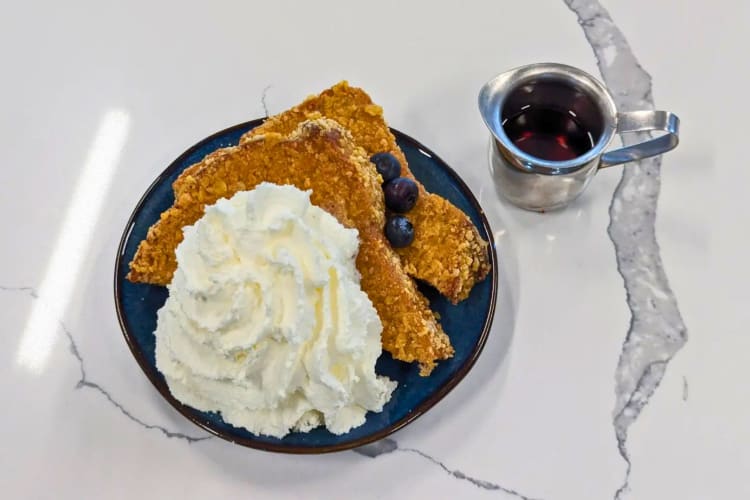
(318, 155)
(447, 251)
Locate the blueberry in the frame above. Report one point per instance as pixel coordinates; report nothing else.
(400, 194)
(387, 165)
(399, 231)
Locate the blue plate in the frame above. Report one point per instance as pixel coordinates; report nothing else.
(467, 323)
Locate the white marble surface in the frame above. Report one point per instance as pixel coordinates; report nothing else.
(98, 97)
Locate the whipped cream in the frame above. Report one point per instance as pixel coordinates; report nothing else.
(266, 321)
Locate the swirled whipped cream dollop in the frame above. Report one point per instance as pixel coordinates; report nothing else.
(266, 321)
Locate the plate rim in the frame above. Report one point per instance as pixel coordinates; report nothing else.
(419, 410)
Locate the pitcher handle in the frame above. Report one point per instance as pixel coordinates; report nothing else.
(644, 121)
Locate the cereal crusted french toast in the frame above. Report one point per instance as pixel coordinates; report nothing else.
(319, 155)
(447, 251)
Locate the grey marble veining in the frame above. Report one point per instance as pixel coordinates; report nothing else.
(84, 382)
(263, 101)
(382, 447)
(25, 289)
(389, 445)
(684, 389)
(656, 330)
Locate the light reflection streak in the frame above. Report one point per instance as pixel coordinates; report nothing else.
(73, 240)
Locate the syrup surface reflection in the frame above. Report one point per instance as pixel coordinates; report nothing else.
(548, 133)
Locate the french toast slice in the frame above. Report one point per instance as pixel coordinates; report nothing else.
(319, 155)
(447, 251)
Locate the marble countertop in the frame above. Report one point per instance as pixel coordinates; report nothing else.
(617, 363)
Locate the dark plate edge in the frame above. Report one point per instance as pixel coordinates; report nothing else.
(418, 411)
